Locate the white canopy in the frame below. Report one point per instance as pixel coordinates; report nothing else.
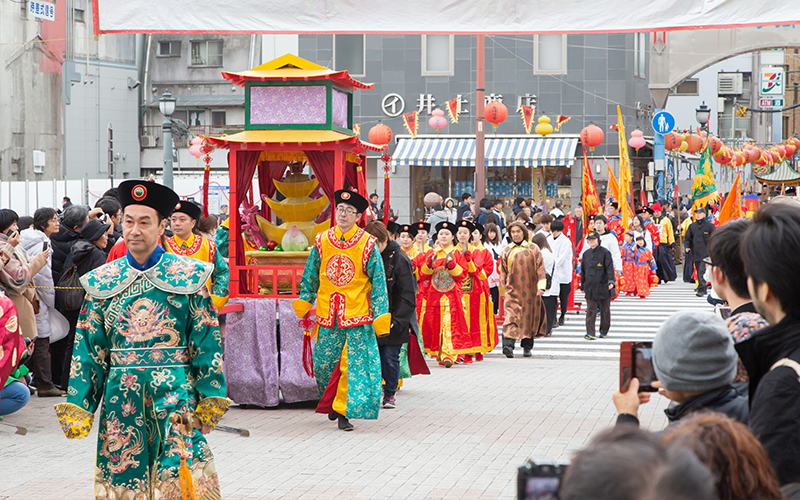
(436, 16)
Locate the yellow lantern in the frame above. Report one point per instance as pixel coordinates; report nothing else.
(544, 128)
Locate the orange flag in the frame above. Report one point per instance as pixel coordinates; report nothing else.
(732, 208)
(625, 179)
(527, 118)
(590, 200)
(612, 191)
(561, 120)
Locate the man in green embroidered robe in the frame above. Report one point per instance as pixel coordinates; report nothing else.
(148, 346)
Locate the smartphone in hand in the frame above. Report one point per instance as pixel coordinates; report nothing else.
(636, 361)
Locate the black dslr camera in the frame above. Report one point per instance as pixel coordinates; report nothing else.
(539, 480)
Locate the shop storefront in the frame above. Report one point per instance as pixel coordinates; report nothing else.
(516, 165)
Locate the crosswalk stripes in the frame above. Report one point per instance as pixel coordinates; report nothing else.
(632, 318)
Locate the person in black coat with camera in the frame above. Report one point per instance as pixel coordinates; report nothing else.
(597, 283)
(400, 286)
(697, 242)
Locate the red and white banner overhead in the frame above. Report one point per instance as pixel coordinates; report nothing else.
(426, 16)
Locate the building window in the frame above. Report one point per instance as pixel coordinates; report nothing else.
(438, 53)
(686, 87)
(349, 54)
(169, 49)
(207, 53)
(79, 15)
(217, 121)
(639, 55)
(550, 54)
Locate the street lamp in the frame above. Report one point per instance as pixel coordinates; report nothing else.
(167, 106)
(702, 115)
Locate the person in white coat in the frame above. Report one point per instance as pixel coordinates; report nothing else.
(561, 246)
(493, 241)
(35, 240)
(550, 296)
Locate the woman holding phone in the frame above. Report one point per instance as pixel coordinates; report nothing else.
(36, 240)
(16, 270)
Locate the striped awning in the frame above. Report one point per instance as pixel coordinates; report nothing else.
(499, 152)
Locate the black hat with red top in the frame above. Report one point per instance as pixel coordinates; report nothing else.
(351, 198)
(411, 229)
(156, 196)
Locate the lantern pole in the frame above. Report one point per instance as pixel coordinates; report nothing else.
(480, 173)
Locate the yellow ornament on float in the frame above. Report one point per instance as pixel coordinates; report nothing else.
(544, 128)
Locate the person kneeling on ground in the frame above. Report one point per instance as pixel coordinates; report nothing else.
(695, 364)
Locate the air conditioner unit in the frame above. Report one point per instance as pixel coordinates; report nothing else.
(729, 83)
(39, 161)
(148, 141)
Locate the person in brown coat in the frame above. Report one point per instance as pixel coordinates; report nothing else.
(522, 274)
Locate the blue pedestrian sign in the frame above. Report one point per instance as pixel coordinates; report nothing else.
(663, 122)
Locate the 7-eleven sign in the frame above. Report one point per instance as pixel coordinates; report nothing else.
(772, 81)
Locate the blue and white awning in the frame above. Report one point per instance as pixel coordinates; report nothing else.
(499, 152)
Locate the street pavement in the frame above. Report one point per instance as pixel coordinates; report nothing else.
(457, 433)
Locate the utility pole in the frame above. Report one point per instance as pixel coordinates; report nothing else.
(111, 154)
(480, 169)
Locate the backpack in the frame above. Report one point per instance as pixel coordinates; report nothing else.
(70, 297)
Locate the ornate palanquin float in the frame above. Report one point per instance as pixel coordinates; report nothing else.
(298, 118)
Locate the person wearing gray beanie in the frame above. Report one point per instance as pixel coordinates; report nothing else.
(695, 363)
(693, 352)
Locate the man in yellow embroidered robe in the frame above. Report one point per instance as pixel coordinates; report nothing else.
(344, 274)
(188, 244)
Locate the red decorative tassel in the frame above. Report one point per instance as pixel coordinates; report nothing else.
(206, 149)
(308, 360)
(386, 168)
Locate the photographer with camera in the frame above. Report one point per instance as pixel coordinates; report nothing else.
(695, 363)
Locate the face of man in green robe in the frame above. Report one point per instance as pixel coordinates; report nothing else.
(142, 228)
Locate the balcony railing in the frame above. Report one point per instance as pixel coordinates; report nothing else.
(151, 134)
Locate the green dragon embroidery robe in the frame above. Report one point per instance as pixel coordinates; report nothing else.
(148, 346)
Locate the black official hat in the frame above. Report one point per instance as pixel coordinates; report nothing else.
(423, 226)
(592, 235)
(351, 198)
(189, 208)
(393, 227)
(411, 229)
(479, 227)
(156, 196)
(446, 225)
(467, 224)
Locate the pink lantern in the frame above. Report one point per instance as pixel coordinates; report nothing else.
(195, 150)
(636, 141)
(197, 141)
(437, 121)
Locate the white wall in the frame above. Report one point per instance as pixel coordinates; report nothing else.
(683, 107)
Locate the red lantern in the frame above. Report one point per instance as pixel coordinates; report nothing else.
(672, 141)
(380, 135)
(775, 157)
(764, 159)
(790, 149)
(737, 160)
(795, 142)
(724, 157)
(695, 143)
(495, 113)
(592, 136)
(714, 144)
(782, 151)
(755, 154)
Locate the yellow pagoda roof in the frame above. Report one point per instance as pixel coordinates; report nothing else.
(290, 67)
(300, 137)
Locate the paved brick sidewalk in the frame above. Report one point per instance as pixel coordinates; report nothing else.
(458, 433)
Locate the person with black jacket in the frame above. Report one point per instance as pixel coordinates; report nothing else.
(696, 242)
(772, 355)
(597, 282)
(400, 287)
(694, 362)
(465, 206)
(86, 255)
(75, 217)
